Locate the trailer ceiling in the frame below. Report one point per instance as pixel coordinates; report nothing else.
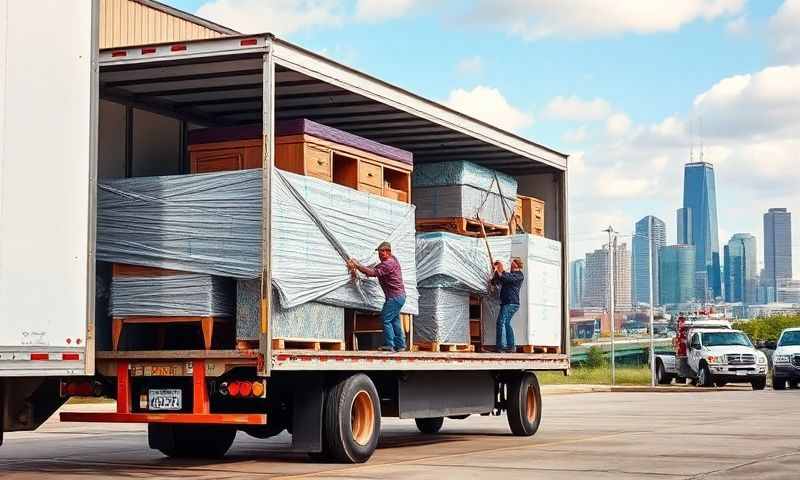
(227, 91)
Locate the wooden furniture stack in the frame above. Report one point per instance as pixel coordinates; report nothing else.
(529, 214)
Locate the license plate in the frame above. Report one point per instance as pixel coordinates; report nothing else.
(164, 399)
(741, 373)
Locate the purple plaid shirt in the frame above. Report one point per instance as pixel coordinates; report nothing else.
(390, 276)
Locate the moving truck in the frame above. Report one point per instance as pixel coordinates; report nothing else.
(71, 114)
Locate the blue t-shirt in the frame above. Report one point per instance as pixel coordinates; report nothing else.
(510, 283)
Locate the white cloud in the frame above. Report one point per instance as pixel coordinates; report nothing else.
(277, 16)
(618, 184)
(470, 66)
(785, 31)
(534, 19)
(579, 135)
(377, 10)
(738, 26)
(577, 109)
(489, 105)
(618, 124)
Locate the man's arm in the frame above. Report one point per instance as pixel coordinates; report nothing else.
(368, 271)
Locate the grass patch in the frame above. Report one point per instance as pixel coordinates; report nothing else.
(597, 376)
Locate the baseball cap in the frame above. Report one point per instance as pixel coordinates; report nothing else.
(384, 245)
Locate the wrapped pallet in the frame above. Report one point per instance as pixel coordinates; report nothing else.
(463, 189)
(443, 316)
(182, 295)
(311, 321)
(457, 262)
(538, 321)
(211, 224)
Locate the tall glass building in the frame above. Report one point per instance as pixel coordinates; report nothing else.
(741, 269)
(677, 274)
(777, 249)
(577, 271)
(650, 235)
(699, 222)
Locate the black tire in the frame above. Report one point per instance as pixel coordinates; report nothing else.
(351, 420)
(759, 384)
(793, 384)
(720, 383)
(429, 425)
(778, 383)
(662, 378)
(524, 405)
(680, 381)
(704, 377)
(191, 441)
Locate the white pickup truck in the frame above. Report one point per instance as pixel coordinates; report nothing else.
(786, 360)
(710, 352)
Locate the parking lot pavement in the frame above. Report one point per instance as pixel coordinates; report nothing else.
(621, 435)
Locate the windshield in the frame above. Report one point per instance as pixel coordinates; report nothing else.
(714, 339)
(790, 338)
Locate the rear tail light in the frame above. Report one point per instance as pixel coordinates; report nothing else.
(258, 389)
(241, 389)
(82, 388)
(233, 389)
(245, 389)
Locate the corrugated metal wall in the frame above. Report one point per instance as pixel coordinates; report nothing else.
(125, 22)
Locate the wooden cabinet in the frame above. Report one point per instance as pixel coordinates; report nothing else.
(224, 156)
(529, 213)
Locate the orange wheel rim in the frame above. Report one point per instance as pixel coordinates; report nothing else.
(530, 404)
(362, 418)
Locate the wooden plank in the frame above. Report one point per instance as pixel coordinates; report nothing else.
(126, 270)
(461, 226)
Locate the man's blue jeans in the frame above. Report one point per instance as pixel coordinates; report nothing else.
(393, 335)
(505, 333)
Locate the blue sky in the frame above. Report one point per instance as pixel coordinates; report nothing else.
(613, 83)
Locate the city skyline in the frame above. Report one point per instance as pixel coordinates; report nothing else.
(701, 228)
(649, 235)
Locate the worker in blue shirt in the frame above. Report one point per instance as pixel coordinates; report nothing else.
(510, 283)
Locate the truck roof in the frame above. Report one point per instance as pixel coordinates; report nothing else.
(219, 82)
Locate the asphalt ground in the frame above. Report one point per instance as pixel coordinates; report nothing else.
(730, 434)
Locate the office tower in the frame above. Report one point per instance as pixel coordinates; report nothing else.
(650, 235)
(677, 271)
(777, 249)
(577, 270)
(788, 291)
(700, 223)
(741, 264)
(595, 293)
(684, 222)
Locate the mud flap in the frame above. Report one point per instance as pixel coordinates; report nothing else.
(307, 415)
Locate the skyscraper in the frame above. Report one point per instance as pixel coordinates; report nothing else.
(677, 271)
(741, 269)
(777, 248)
(650, 235)
(698, 225)
(595, 293)
(577, 269)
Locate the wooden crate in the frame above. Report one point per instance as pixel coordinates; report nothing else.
(305, 344)
(529, 214)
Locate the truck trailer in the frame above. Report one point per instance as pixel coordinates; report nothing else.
(71, 115)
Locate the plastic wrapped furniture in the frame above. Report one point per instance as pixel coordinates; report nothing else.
(443, 317)
(463, 189)
(538, 321)
(189, 295)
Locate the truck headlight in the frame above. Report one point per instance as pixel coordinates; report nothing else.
(781, 359)
(761, 359)
(716, 359)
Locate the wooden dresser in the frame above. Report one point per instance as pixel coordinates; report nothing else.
(529, 214)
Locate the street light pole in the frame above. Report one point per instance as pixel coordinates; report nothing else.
(611, 249)
(652, 305)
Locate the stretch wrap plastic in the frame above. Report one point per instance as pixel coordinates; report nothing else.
(211, 223)
(443, 316)
(309, 321)
(190, 295)
(463, 189)
(458, 262)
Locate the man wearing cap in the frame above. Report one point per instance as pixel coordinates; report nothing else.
(390, 277)
(510, 283)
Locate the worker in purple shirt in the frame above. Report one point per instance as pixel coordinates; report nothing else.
(510, 283)
(390, 277)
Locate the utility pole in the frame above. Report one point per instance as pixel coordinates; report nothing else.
(652, 304)
(611, 249)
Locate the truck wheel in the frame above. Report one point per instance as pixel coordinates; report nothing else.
(793, 384)
(429, 425)
(759, 384)
(352, 420)
(190, 441)
(778, 383)
(661, 374)
(705, 379)
(524, 405)
(720, 383)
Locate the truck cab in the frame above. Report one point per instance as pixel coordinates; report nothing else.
(721, 356)
(786, 360)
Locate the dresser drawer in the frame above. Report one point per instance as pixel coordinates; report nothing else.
(364, 187)
(370, 174)
(317, 161)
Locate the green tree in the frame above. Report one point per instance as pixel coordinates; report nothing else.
(769, 328)
(595, 357)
